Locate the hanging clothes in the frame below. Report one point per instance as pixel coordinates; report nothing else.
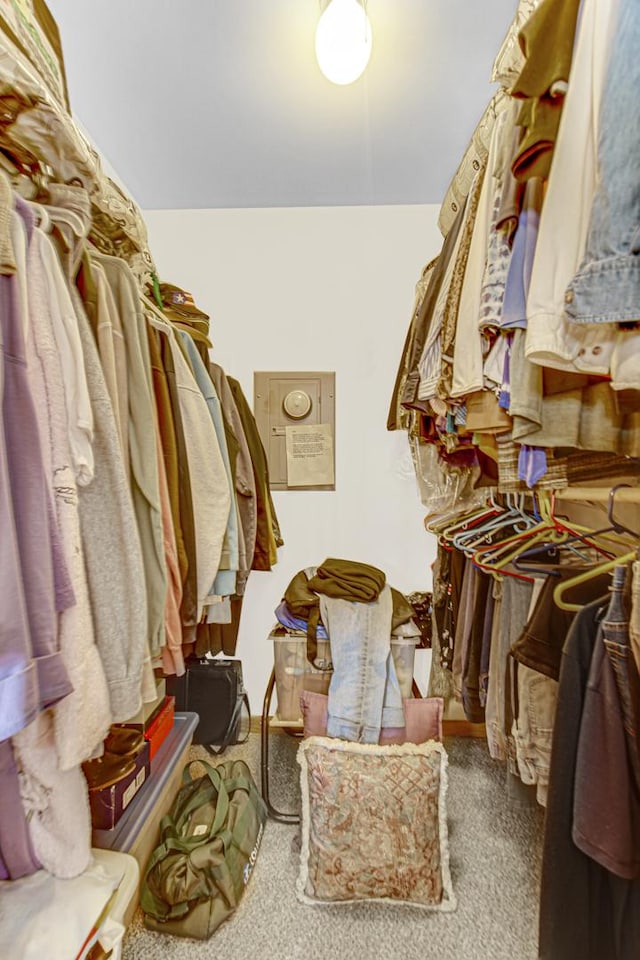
(242, 469)
(34, 633)
(547, 41)
(82, 718)
(209, 487)
(172, 654)
(176, 469)
(606, 800)
(55, 801)
(111, 538)
(225, 581)
(585, 910)
(17, 857)
(140, 416)
(564, 220)
(268, 536)
(106, 323)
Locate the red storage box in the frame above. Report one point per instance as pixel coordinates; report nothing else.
(160, 728)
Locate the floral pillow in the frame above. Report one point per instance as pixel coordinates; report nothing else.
(374, 823)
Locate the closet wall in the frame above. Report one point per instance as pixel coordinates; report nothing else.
(316, 289)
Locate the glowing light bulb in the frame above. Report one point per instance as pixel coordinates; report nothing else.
(343, 41)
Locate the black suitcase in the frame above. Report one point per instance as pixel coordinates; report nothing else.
(214, 689)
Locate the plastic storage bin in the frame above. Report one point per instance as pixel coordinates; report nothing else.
(124, 905)
(403, 651)
(47, 916)
(294, 673)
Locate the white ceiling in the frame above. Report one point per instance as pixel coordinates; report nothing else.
(220, 103)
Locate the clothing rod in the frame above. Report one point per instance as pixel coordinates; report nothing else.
(622, 495)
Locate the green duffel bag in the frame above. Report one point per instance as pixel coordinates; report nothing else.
(209, 841)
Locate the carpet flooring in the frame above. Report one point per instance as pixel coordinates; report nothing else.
(495, 850)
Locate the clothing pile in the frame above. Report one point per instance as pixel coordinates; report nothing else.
(352, 605)
(522, 361)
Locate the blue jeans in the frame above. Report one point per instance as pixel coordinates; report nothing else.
(606, 288)
(364, 694)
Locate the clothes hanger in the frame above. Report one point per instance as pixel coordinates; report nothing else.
(513, 517)
(491, 558)
(577, 534)
(471, 522)
(446, 525)
(68, 218)
(548, 529)
(50, 216)
(618, 527)
(552, 551)
(499, 573)
(450, 520)
(562, 588)
(500, 555)
(506, 550)
(616, 524)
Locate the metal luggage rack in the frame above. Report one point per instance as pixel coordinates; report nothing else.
(267, 722)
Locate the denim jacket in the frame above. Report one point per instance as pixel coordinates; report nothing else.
(606, 287)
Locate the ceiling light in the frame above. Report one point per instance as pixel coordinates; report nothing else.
(343, 41)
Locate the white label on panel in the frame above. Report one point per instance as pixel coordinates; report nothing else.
(310, 456)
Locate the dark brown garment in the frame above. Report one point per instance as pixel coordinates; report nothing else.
(512, 195)
(471, 703)
(539, 646)
(397, 418)
(177, 468)
(167, 432)
(268, 529)
(348, 579)
(547, 41)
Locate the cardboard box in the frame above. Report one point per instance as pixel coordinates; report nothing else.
(109, 803)
(161, 727)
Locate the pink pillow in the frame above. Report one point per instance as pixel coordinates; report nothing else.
(423, 719)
